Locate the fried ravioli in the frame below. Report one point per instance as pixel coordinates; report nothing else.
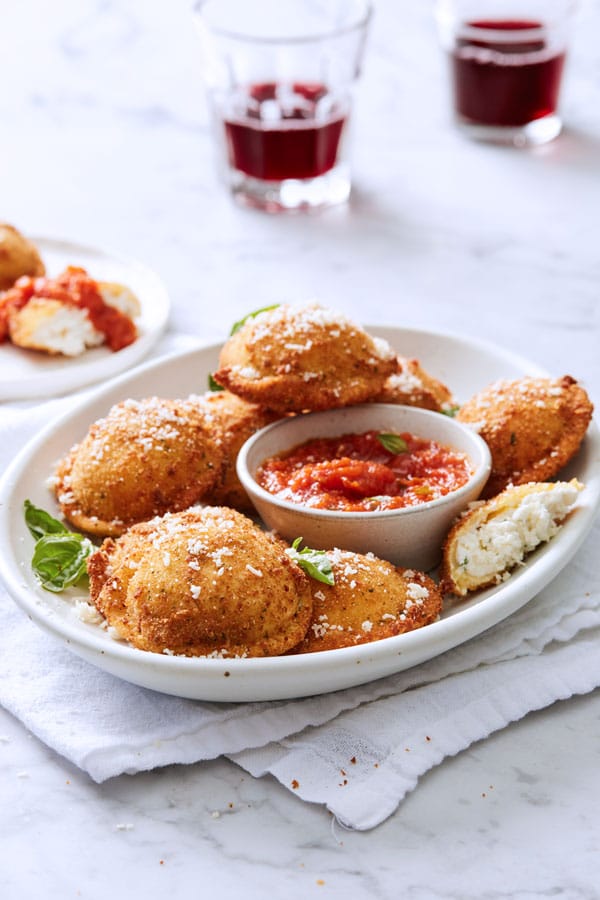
(533, 427)
(413, 386)
(145, 458)
(203, 582)
(18, 256)
(299, 358)
(489, 540)
(50, 326)
(371, 599)
(234, 421)
(68, 314)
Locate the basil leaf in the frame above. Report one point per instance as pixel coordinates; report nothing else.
(40, 522)
(377, 499)
(237, 325)
(59, 557)
(315, 563)
(214, 385)
(393, 443)
(423, 490)
(450, 411)
(59, 560)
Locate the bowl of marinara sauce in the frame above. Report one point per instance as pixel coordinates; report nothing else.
(378, 477)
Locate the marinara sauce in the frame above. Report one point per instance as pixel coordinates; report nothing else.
(357, 473)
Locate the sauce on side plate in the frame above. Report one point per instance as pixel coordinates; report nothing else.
(72, 287)
(365, 472)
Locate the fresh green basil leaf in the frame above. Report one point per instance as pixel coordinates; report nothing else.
(450, 411)
(41, 523)
(59, 560)
(393, 443)
(59, 557)
(315, 563)
(214, 385)
(423, 490)
(377, 499)
(237, 325)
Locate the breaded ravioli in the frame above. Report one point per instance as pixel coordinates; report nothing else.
(18, 256)
(371, 599)
(54, 326)
(413, 386)
(306, 357)
(493, 537)
(203, 582)
(144, 458)
(68, 313)
(533, 427)
(234, 420)
(50, 326)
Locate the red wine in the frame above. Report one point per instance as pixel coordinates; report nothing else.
(505, 82)
(278, 131)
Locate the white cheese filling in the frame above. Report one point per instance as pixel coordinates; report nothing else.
(502, 542)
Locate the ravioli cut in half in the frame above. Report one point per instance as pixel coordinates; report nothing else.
(495, 536)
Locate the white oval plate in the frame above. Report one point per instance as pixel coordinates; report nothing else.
(464, 364)
(26, 374)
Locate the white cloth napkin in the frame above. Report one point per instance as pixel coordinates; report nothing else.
(357, 751)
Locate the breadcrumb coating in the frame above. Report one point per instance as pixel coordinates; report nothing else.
(144, 458)
(203, 582)
(371, 599)
(495, 536)
(413, 386)
(234, 420)
(299, 358)
(18, 256)
(533, 427)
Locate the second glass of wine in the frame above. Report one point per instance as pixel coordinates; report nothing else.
(506, 64)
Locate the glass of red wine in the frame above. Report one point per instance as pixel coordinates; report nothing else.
(506, 62)
(281, 76)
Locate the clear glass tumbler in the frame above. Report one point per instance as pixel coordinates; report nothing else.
(280, 76)
(506, 60)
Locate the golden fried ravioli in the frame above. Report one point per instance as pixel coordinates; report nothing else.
(145, 458)
(53, 327)
(493, 537)
(67, 314)
(203, 582)
(370, 599)
(18, 256)
(413, 386)
(297, 358)
(533, 427)
(234, 420)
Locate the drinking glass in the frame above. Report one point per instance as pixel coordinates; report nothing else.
(280, 77)
(506, 61)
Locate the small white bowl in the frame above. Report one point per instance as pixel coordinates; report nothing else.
(410, 537)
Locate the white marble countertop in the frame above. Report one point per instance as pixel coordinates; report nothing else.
(105, 141)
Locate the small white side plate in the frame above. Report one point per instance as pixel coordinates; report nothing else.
(26, 374)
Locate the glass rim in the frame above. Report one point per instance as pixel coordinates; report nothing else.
(448, 12)
(503, 35)
(359, 22)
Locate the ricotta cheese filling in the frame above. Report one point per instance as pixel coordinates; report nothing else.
(502, 541)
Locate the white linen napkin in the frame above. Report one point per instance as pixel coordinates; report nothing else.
(357, 751)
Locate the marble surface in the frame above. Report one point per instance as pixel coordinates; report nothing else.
(106, 142)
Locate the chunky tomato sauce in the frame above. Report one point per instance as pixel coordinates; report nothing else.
(75, 288)
(356, 473)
